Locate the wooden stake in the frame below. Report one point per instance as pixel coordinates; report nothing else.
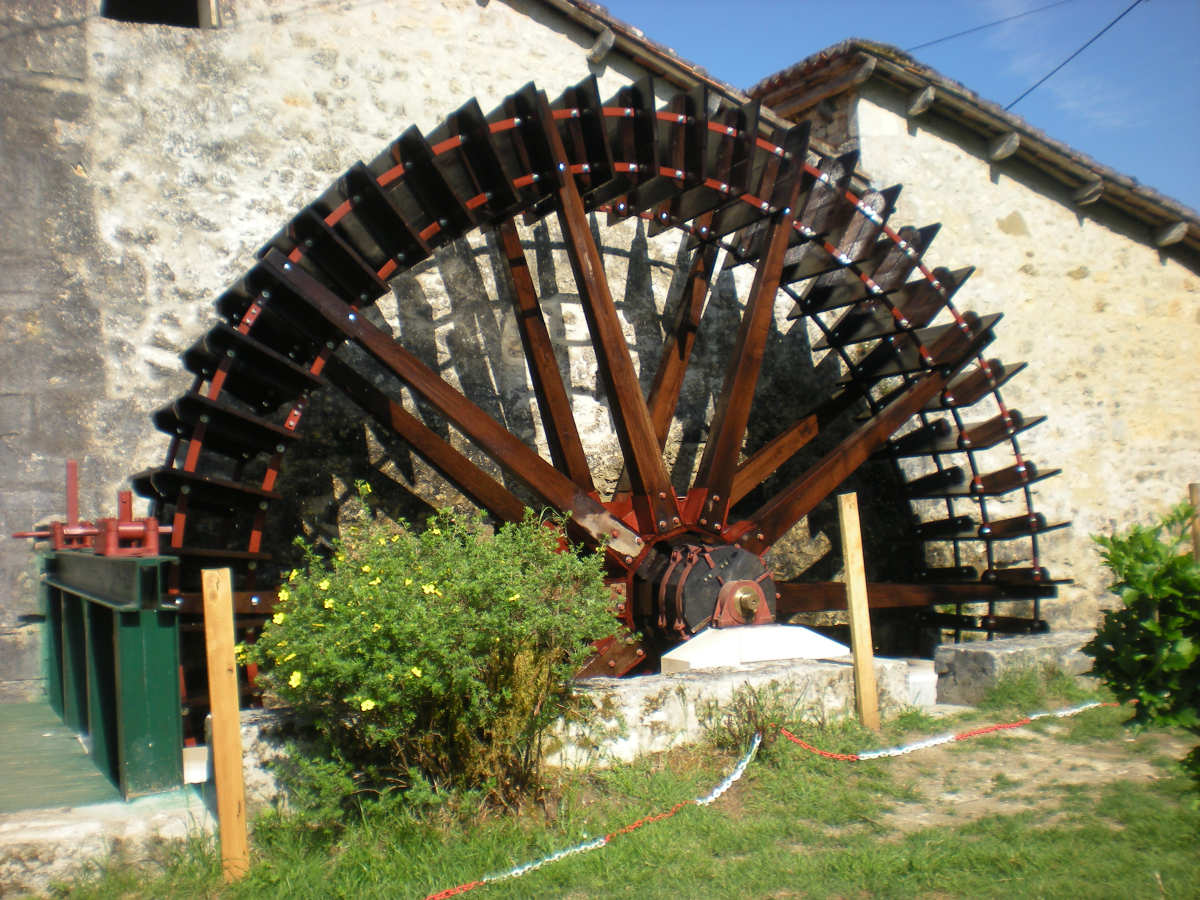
(1194, 499)
(866, 694)
(226, 722)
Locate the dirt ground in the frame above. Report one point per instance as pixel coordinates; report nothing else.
(1010, 772)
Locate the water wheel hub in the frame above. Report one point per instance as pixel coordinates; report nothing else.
(685, 587)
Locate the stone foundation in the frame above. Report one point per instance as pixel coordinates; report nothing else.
(966, 671)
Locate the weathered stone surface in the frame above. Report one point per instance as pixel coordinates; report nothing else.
(20, 663)
(41, 846)
(966, 671)
(657, 712)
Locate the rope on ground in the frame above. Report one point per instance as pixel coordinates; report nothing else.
(944, 738)
(597, 843)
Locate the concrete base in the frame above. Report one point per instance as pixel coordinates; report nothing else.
(922, 683)
(718, 647)
(966, 671)
(657, 712)
(41, 846)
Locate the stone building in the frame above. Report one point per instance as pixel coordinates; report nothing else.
(144, 164)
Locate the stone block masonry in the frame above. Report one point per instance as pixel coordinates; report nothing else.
(965, 672)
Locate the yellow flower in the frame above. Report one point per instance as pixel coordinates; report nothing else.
(407, 582)
(514, 598)
(376, 627)
(239, 652)
(295, 680)
(366, 569)
(318, 624)
(435, 531)
(374, 581)
(430, 588)
(329, 603)
(341, 557)
(292, 575)
(281, 644)
(289, 657)
(279, 618)
(367, 705)
(383, 542)
(395, 537)
(416, 673)
(323, 584)
(284, 594)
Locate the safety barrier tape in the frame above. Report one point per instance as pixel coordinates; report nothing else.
(943, 738)
(738, 771)
(597, 843)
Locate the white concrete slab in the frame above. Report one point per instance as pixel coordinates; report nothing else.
(722, 647)
(922, 683)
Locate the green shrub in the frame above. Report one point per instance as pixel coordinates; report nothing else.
(436, 660)
(1148, 649)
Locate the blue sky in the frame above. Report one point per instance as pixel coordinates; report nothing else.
(1131, 100)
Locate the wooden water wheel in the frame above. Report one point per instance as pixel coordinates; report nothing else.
(908, 388)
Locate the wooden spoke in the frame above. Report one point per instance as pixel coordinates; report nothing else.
(719, 462)
(554, 403)
(681, 338)
(777, 516)
(820, 595)
(546, 482)
(771, 456)
(477, 485)
(654, 497)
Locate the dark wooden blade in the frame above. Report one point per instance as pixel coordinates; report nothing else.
(767, 524)
(648, 475)
(546, 482)
(719, 462)
(554, 404)
(477, 485)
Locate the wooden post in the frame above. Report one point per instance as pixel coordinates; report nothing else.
(1194, 499)
(866, 694)
(226, 722)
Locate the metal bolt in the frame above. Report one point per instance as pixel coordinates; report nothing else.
(675, 520)
(254, 601)
(662, 495)
(628, 560)
(662, 524)
(287, 267)
(759, 536)
(351, 316)
(704, 521)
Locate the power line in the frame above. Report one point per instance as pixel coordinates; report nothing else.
(1091, 41)
(1028, 12)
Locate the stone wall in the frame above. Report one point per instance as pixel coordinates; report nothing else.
(1110, 328)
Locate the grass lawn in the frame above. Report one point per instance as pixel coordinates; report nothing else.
(1065, 808)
